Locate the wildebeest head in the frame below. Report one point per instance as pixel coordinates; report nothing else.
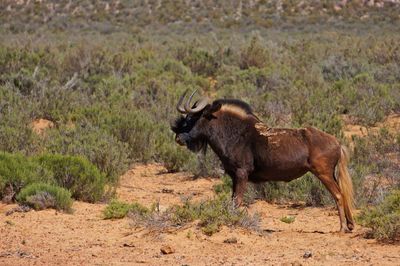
(199, 124)
(185, 122)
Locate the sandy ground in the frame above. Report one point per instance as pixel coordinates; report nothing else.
(84, 237)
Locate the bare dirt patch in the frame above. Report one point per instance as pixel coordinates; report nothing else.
(84, 237)
(152, 183)
(40, 125)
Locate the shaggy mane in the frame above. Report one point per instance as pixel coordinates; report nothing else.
(238, 107)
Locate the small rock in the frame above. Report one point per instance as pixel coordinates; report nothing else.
(24, 254)
(167, 190)
(307, 254)
(167, 250)
(231, 240)
(129, 245)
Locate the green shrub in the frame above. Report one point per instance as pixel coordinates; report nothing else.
(212, 214)
(57, 104)
(288, 219)
(315, 107)
(371, 101)
(118, 210)
(75, 173)
(371, 158)
(100, 148)
(16, 134)
(336, 67)
(225, 186)
(255, 55)
(138, 131)
(175, 158)
(18, 171)
(42, 196)
(198, 60)
(384, 219)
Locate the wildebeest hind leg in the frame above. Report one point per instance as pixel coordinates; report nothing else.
(333, 188)
(349, 217)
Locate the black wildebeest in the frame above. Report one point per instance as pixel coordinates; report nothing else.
(250, 151)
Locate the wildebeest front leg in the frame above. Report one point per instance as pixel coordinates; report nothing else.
(239, 186)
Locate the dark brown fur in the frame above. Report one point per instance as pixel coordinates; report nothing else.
(250, 151)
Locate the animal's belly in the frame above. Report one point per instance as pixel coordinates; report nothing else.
(277, 175)
(283, 162)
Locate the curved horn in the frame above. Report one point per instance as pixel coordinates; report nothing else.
(199, 106)
(179, 106)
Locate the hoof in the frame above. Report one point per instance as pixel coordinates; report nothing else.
(350, 226)
(344, 230)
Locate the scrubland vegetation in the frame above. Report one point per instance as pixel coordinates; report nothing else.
(109, 76)
(209, 215)
(384, 219)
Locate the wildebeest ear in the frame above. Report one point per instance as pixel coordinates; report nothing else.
(208, 112)
(215, 107)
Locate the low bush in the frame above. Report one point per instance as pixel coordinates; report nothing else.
(255, 55)
(118, 210)
(372, 101)
(288, 219)
(338, 68)
(225, 186)
(307, 189)
(18, 171)
(374, 167)
(100, 148)
(176, 158)
(137, 130)
(42, 196)
(198, 60)
(212, 214)
(384, 219)
(16, 134)
(75, 173)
